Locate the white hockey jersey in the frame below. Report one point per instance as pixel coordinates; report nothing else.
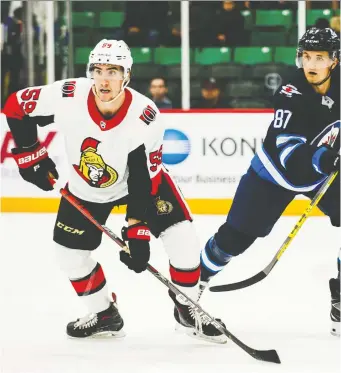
(105, 157)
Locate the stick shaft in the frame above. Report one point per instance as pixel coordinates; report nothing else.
(270, 356)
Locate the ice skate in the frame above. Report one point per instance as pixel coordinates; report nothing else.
(202, 286)
(334, 284)
(107, 323)
(193, 325)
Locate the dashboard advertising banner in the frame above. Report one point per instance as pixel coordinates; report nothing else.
(206, 153)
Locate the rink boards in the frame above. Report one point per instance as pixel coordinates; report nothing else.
(206, 152)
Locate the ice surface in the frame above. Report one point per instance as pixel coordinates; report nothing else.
(288, 311)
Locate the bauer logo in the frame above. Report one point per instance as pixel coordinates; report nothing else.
(176, 147)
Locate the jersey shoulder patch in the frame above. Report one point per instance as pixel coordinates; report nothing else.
(145, 106)
(68, 88)
(148, 115)
(289, 90)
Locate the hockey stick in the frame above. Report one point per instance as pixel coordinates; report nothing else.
(264, 355)
(261, 275)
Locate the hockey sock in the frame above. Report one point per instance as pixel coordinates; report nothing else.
(93, 289)
(212, 259)
(186, 280)
(86, 277)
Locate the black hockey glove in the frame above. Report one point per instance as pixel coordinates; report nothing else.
(35, 165)
(138, 237)
(329, 160)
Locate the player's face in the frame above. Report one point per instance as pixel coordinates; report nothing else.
(210, 94)
(158, 88)
(108, 81)
(95, 173)
(316, 65)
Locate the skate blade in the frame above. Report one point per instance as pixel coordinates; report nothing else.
(193, 333)
(335, 329)
(107, 334)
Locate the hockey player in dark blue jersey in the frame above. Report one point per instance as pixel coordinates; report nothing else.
(299, 152)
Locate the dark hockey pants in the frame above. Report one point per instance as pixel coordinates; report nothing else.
(257, 206)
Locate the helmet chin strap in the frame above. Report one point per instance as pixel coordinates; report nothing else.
(325, 79)
(123, 86)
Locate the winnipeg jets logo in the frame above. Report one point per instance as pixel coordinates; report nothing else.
(327, 101)
(289, 90)
(328, 136)
(333, 34)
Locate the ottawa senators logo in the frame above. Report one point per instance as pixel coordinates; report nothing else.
(148, 115)
(92, 168)
(163, 207)
(68, 88)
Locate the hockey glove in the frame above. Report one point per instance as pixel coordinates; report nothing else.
(138, 237)
(329, 160)
(35, 164)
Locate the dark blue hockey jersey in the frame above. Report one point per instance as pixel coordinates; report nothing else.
(304, 121)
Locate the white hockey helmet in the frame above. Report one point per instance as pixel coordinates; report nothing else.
(113, 52)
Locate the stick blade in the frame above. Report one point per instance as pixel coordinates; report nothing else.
(239, 285)
(270, 356)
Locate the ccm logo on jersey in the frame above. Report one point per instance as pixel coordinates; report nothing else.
(68, 89)
(32, 157)
(148, 115)
(289, 90)
(69, 229)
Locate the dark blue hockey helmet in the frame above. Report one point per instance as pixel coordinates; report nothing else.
(316, 39)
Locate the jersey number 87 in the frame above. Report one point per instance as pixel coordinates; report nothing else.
(282, 118)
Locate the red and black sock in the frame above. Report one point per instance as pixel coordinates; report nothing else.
(90, 284)
(185, 277)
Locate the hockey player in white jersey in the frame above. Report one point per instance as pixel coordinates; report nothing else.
(113, 138)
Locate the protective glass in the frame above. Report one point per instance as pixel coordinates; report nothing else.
(106, 74)
(315, 61)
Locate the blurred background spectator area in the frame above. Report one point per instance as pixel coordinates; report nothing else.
(247, 47)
